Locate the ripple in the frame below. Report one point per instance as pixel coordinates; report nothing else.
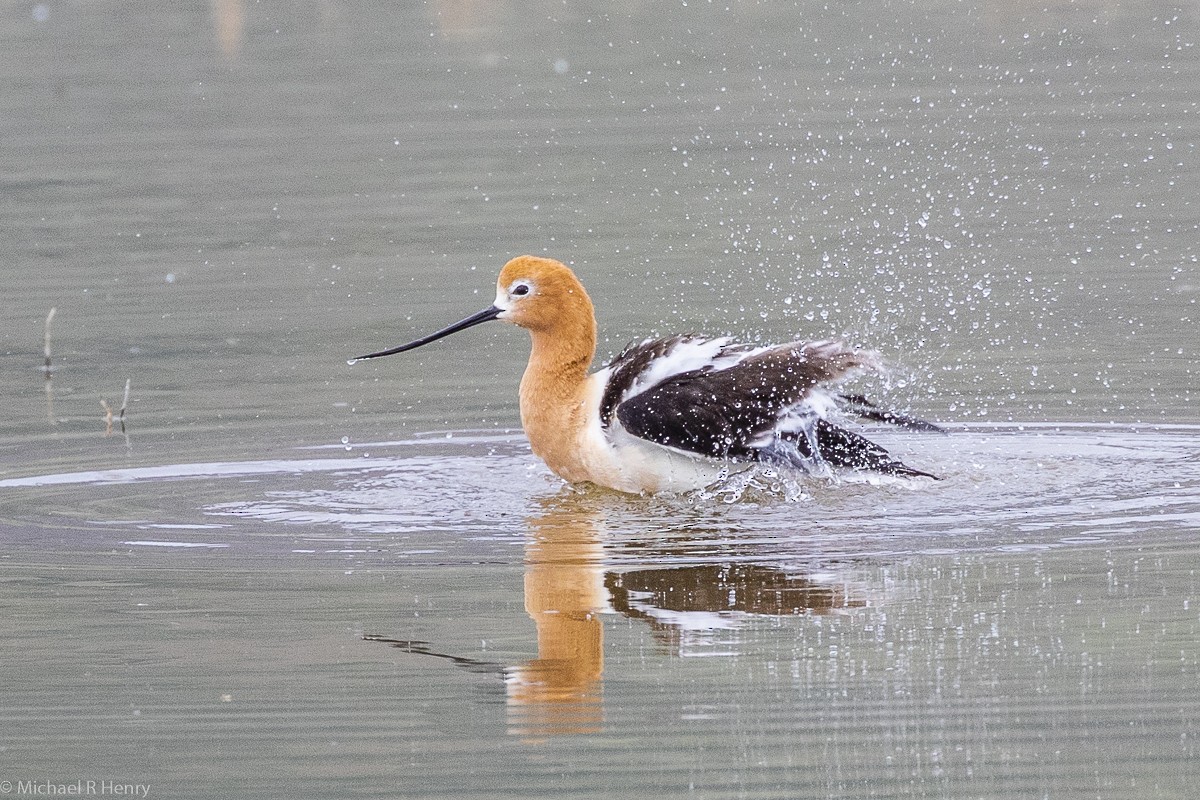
(1005, 487)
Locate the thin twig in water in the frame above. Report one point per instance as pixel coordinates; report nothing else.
(46, 344)
(109, 414)
(48, 369)
(124, 404)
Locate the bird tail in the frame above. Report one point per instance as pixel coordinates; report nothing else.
(860, 406)
(819, 445)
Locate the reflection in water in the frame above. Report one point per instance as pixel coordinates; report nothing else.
(560, 690)
(229, 20)
(426, 649)
(566, 587)
(466, 20)
(681, 601)
(49, 368)
(50, 397)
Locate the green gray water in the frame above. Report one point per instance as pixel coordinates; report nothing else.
(290, 577)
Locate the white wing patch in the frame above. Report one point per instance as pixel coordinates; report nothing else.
(688, 355)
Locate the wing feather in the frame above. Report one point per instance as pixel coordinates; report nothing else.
(721, 412)
(643, 365)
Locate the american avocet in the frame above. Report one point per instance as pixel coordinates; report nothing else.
(676, 413)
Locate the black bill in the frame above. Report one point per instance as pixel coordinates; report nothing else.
(489, 313)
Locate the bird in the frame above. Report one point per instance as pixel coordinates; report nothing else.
(676, 413)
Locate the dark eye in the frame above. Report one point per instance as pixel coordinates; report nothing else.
(520, 290)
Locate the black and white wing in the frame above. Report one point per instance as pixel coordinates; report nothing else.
(727, 400)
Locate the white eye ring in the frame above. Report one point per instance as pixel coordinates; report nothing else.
(520, 289)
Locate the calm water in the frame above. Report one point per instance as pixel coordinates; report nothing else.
(292, 577)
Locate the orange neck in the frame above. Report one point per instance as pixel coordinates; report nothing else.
(553, 390)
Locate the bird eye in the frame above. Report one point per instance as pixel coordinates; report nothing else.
(520, 290)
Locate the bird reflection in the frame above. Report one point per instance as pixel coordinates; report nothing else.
(568, 589)
(229, 24)
(466, 20)
(560, 690)
(678, 601)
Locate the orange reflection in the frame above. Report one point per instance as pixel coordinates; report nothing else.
(466, 20)
(559, 692)
(229, 21)
(567, 590)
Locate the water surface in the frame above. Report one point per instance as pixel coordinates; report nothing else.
(289, 576)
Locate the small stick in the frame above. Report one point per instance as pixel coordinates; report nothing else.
(46, 346)
(48, 369)
(124, 403)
